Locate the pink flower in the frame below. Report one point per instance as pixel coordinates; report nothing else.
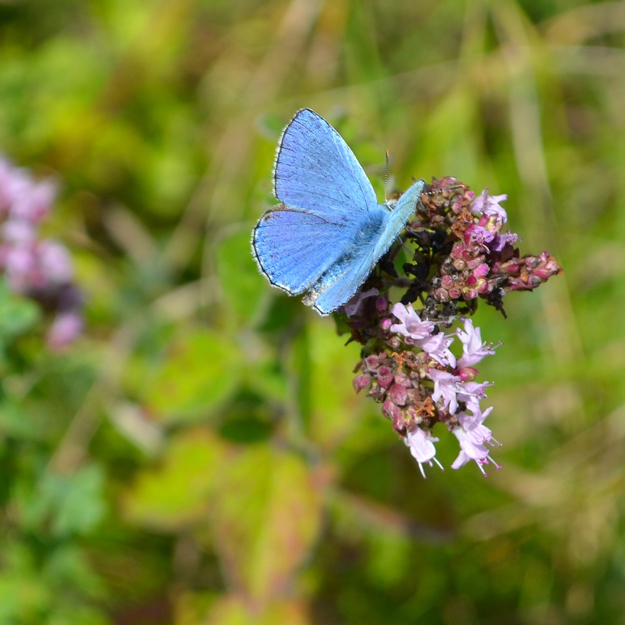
(478, 234)
(20, 265)
(411, 324)
(446, 386)
(473, 438)
(55, 262)
(473, 349)
(502, 239)
(489, 205)
(471, 393)
(437, 346)
(38, 268)
(421, 443)
(66, 328)
(18, 231)
(419, 333)
(14, 183)
(34, 201)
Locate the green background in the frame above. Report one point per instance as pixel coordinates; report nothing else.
(199, 455)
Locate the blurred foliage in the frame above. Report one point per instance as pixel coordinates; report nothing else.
(199, 456)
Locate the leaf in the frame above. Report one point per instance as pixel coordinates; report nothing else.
(200, 370)
(17, 314)
(176, 494)
(266, 518)
(69, 504)
(334, 406)
(243, 285)
(68, 565)
(15, 422)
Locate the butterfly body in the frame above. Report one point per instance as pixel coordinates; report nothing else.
(329, 231)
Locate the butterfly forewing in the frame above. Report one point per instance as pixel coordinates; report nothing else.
(316, 171)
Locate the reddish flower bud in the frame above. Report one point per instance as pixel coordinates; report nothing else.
(394, 343)
(481, 271)
(397, 394)
(467, 374)
(361, 382)
(400, 421)
(372, 362)
(402, 378)
(441, 295)
(385, 376)
(390, 410)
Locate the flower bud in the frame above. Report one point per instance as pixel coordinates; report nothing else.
(372, 362)
(397, 394)
(390, 410)
(385, 376)
(385, 324)
(394, 343)
(467, 374)
(361, 382)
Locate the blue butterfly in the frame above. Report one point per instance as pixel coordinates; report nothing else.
(328, 232)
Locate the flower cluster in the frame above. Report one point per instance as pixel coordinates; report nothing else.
(461, 255)
(33, 266)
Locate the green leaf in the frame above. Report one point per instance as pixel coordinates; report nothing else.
(334, 406)
(67, 504)
(15, 422)
(243, 285)
(67, 565)
(17, 314)
(266, 518)
(200, 370)
(176, 494)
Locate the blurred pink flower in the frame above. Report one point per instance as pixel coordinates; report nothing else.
(38, 268)
(34, 201)
(55, 262)
(65, 329)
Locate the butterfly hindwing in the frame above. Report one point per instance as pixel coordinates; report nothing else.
(294, 248)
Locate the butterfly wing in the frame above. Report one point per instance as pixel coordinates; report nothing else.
(405, 207)
(317, 172)
(342, 279)
(329, 231)
(325, 197)
(293, 248)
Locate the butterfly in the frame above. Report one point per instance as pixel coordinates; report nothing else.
(328, 232)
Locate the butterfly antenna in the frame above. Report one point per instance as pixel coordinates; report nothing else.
(386, 176)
